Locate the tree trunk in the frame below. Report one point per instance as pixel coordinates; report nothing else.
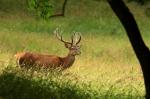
(63, 10)
(141, 50)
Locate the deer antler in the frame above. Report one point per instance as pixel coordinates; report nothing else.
(79, 38)
(59, 37)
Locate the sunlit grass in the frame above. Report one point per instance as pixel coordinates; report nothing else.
(107, 63)
(106, 69)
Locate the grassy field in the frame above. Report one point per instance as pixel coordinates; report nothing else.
(106, 69)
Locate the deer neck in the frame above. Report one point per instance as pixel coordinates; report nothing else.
(68, 60)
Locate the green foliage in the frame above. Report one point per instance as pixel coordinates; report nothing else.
(106, 69)
(18, 83)
(42, 8)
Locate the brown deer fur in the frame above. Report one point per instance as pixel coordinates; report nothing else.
(29, 59)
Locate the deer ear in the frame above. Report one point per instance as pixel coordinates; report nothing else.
(67, 45)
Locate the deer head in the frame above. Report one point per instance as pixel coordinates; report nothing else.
(73, 46)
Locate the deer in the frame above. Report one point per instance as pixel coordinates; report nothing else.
(30, 59)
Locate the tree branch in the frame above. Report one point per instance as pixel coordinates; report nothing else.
(62, 14)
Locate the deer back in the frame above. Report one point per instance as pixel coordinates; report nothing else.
(34, 59)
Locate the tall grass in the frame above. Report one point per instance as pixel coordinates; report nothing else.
(106, 69)
(21, 84)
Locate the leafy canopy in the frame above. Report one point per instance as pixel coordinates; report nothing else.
(42, 8)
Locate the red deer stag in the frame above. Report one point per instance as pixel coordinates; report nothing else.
(28, 59)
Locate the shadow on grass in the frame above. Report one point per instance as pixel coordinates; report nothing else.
(18, 85)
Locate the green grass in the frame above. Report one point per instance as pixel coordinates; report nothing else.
(21, 84)
(106, 69)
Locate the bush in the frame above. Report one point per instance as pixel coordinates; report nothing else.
(18, 83)
(24, 84)
(42, 8)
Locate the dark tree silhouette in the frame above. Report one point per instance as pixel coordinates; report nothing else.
(141, 50)
(62, 11)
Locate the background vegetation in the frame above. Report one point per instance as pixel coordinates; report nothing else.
(106, 69)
